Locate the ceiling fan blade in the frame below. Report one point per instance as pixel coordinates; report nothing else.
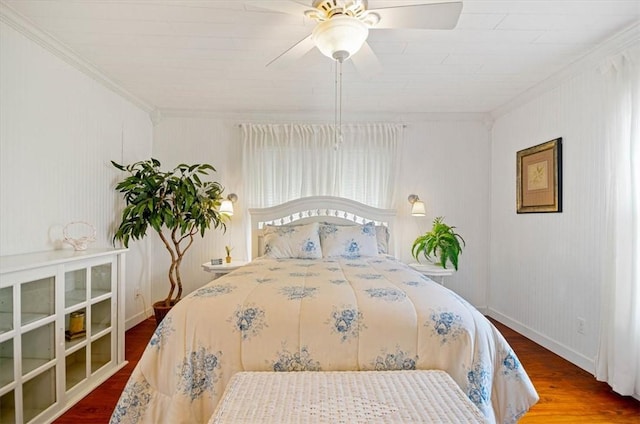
(282, 6)
(366, 62)
(421, 16)
(294, 52)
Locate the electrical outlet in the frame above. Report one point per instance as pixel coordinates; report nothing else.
(581, 324)
(137, 293)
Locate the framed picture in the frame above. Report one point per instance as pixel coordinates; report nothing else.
(539, 185)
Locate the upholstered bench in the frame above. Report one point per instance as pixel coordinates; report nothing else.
(344, 397)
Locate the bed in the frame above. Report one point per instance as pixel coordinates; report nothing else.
(324, 293)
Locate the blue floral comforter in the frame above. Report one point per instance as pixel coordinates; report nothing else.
(370, 313)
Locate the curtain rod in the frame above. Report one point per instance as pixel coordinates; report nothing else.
(320, 123)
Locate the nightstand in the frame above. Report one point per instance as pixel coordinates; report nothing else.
(433, 271)
(222, 269)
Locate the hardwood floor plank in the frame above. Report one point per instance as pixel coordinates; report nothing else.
(568, 394)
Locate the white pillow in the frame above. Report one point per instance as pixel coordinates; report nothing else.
(300, 241)
(350, 241)
(382, 237)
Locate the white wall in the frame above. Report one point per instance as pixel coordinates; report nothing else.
(192, 141)
(58, 130)
(446, 161)
(545, 268)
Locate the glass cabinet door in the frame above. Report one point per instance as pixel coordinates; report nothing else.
(38, 394)
(38, 347)
(100, 316)
(8, 407)
(75, 368)
(100, 352)
(37, 299)
(101, 279)
(6, 309)
(6, 363)
(75, 324)
(75, 287)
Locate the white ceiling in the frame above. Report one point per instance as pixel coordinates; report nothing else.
(210, 55)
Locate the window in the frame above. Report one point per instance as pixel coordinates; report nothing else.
(283, 162)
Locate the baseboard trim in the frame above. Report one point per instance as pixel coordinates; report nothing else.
(559, 349)
(484, 310)
(137, 319)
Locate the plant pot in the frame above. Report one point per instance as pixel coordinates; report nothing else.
(228, 259)
(160, 310)
(435, 260)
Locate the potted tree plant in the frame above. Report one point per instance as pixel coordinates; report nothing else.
(177, 204)
(442, 242)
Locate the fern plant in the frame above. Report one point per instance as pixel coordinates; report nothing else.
(442, 242)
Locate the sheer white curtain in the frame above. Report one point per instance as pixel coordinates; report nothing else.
(282, 162)
(618, 359)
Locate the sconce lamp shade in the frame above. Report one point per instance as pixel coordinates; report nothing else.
(417, 205)
(226, 207)
(418, 208)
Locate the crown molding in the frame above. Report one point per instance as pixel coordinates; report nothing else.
(49, 43)
(322, 116)
(590, 60)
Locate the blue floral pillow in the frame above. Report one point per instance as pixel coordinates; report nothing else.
(350, 241)
(292, 241)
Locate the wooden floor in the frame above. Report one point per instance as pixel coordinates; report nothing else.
(567, 393)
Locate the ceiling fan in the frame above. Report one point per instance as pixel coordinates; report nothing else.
(343, 26)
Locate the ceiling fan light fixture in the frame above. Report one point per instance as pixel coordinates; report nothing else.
(340, 37)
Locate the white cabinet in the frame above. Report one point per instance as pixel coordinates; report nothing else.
(61, 329)
(222, 269)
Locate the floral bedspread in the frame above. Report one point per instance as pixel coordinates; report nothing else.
(370, 313)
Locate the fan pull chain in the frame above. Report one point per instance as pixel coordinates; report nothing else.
(340, 109)
(335, 108)
(337, 118)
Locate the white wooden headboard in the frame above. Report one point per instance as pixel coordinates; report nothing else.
(319, 208)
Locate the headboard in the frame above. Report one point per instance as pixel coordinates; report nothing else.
(319, 208)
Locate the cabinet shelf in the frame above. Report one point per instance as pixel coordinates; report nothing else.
(98, 293)
(46, 295)
(6, 322)
(6, 372)
(34, 366)
(72, 345)
(74, 297)
(30, 318)
(98, 331)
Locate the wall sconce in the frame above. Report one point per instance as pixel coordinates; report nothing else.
(417, 205)
(226, 207)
